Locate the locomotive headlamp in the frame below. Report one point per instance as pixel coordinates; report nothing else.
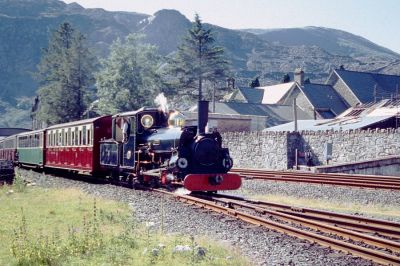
(147, 121)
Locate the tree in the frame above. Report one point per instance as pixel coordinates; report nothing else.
(65, 73)
(129, 77)
(198, 61)
(255, 83)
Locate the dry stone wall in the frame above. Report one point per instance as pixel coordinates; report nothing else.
(276, 150)
(257, 149)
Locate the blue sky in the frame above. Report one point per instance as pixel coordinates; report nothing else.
(376, 20)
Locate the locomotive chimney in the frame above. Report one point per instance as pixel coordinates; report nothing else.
(202, 112)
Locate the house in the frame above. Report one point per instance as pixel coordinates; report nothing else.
(319, 101)
(363, 87)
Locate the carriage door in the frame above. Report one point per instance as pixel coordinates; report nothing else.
(128, 141)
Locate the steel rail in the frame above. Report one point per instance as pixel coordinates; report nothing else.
(324, 175)
(327, 179)
(329, 229)
(359, 223)
(386, 228)
(371, 254)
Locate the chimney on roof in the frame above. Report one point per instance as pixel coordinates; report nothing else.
(299, 76)
(230, 83)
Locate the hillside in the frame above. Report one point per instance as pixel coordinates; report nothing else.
(25, 26)
(335, 41)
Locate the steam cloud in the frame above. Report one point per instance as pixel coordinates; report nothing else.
(162, 102)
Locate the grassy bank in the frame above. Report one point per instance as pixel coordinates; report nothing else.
(67, 227)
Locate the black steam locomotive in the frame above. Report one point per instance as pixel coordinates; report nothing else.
(150, 147)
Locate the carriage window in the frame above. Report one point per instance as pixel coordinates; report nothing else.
(56, 138)
(64, 141)
(80, 137)
(69, 137)
(90, 135)
(72, 138)
(76, 136)
(84, 135)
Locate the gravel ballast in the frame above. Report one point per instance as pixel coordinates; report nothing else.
(261, 246)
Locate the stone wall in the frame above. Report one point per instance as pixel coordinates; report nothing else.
(257, 149)
(351, 146)
(276, 150)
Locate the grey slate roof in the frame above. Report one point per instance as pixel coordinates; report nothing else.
(363, 83)
(252, 95)
(324, 96)
(277, 114)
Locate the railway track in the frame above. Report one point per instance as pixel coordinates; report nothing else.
(371, 239)
(363, 181)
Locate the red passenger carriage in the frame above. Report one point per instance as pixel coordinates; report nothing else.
(75, 145)
(8, 148)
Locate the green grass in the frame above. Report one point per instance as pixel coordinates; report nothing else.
(66, 227)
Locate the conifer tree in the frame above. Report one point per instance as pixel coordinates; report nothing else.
(65, 73)
(197, 61)
(129, 77)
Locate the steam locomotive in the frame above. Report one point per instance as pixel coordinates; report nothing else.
(147, 147)
(152, 148)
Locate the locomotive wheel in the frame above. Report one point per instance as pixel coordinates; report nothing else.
(132, 183)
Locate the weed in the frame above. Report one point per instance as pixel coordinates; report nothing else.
(19, 184)
(49, 249)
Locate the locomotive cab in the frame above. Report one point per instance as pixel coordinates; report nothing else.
(141, 140)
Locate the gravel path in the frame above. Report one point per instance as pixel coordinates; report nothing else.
(341, 194)
(261, 246)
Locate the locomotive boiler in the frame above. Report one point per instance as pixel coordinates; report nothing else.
(150, 147)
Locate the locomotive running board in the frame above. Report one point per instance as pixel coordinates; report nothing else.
(203, 182)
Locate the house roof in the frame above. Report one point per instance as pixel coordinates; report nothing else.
(324, 97)
(363, 84)
(252, 95)
(277, 114)
(359, 117)
(331, 124)
(267, 94)
(273, 94)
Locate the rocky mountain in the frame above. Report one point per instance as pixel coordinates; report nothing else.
(334, 41)
(25, 27)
